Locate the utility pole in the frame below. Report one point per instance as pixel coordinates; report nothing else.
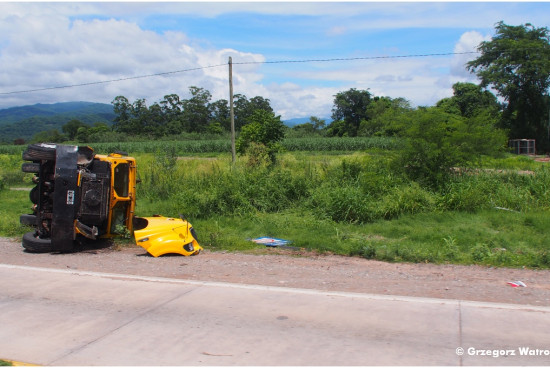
(231, 112)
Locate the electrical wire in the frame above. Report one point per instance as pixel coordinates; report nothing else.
(112, 80)
(235, 63)
(355, 58)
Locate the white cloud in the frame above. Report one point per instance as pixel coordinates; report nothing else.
(468, 41)
(42, 52)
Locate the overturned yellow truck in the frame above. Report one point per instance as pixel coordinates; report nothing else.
(79, 194)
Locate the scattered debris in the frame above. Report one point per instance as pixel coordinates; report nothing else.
(516, 284)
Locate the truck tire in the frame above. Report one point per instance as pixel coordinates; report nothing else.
(34, 196)
(40, 151)
(30, 167)
(34, 244)
(29, 220)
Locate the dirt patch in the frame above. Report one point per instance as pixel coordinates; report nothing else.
(301, 269)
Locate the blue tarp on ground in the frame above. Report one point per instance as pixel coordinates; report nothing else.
(271, 242)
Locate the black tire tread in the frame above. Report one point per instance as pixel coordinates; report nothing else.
(33, 244)
(30, 167)
(29, 220)
(37, 152)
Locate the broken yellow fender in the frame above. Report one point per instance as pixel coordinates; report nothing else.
(160, 235)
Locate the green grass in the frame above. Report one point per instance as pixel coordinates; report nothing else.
(5, 363)
(493, 238)
(348, 203)
(193, 145)
(13, 203)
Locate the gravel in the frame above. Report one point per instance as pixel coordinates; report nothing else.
(303, 269)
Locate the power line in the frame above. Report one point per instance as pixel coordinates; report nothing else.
(112, 80)
(235, 63)
(356, 58)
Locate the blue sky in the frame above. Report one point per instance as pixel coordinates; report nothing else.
(55, 44)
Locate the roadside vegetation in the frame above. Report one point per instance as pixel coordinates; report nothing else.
(348, 203)
(382, 181)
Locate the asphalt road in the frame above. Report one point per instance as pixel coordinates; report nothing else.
(68, 317)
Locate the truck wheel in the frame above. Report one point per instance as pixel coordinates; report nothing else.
(34, 196)
(30, 167)
(34, 244)
(40, 151)
(29, 220)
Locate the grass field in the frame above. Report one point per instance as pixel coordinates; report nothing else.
(343, 202)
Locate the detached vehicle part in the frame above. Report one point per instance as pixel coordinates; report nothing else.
(161, 235)
(80, 194)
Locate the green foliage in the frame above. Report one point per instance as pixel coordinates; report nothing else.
(516, 63)
(312, 128)
(10, 171)
(346, 203)
(470, 100)
(264, 129)
(382, 113)
(196, 111)
(49, 136)
(438, 142)
(72, 127)
(350, 107)
(13, 203)
(173, 115)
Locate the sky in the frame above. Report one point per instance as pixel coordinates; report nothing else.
(105, 46)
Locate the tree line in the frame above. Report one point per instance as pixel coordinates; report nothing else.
(173, 115)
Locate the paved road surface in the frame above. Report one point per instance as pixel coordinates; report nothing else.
(68, 317)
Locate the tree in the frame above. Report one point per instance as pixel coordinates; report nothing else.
(244, 108)
(469, 100)
(516, 63)
(351, 107)
(97, 133)
(221, 114)
(154, 122)
(313, 127)
(171, 108)
(71, 128)
(122, 110)
(49, 136)
(382, 113)
(263, 133)
(196, 111)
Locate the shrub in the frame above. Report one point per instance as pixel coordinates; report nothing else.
(264, 129)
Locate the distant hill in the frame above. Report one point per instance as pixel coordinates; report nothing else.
(298, 121)
(26, 121)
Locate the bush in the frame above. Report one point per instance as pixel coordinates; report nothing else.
(265, 129)
(438, 142)
(409, 199)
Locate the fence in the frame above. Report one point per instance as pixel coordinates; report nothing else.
(522, 146)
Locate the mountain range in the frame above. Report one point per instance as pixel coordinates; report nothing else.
(25, 121)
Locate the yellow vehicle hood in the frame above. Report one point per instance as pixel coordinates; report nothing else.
(163, 235)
